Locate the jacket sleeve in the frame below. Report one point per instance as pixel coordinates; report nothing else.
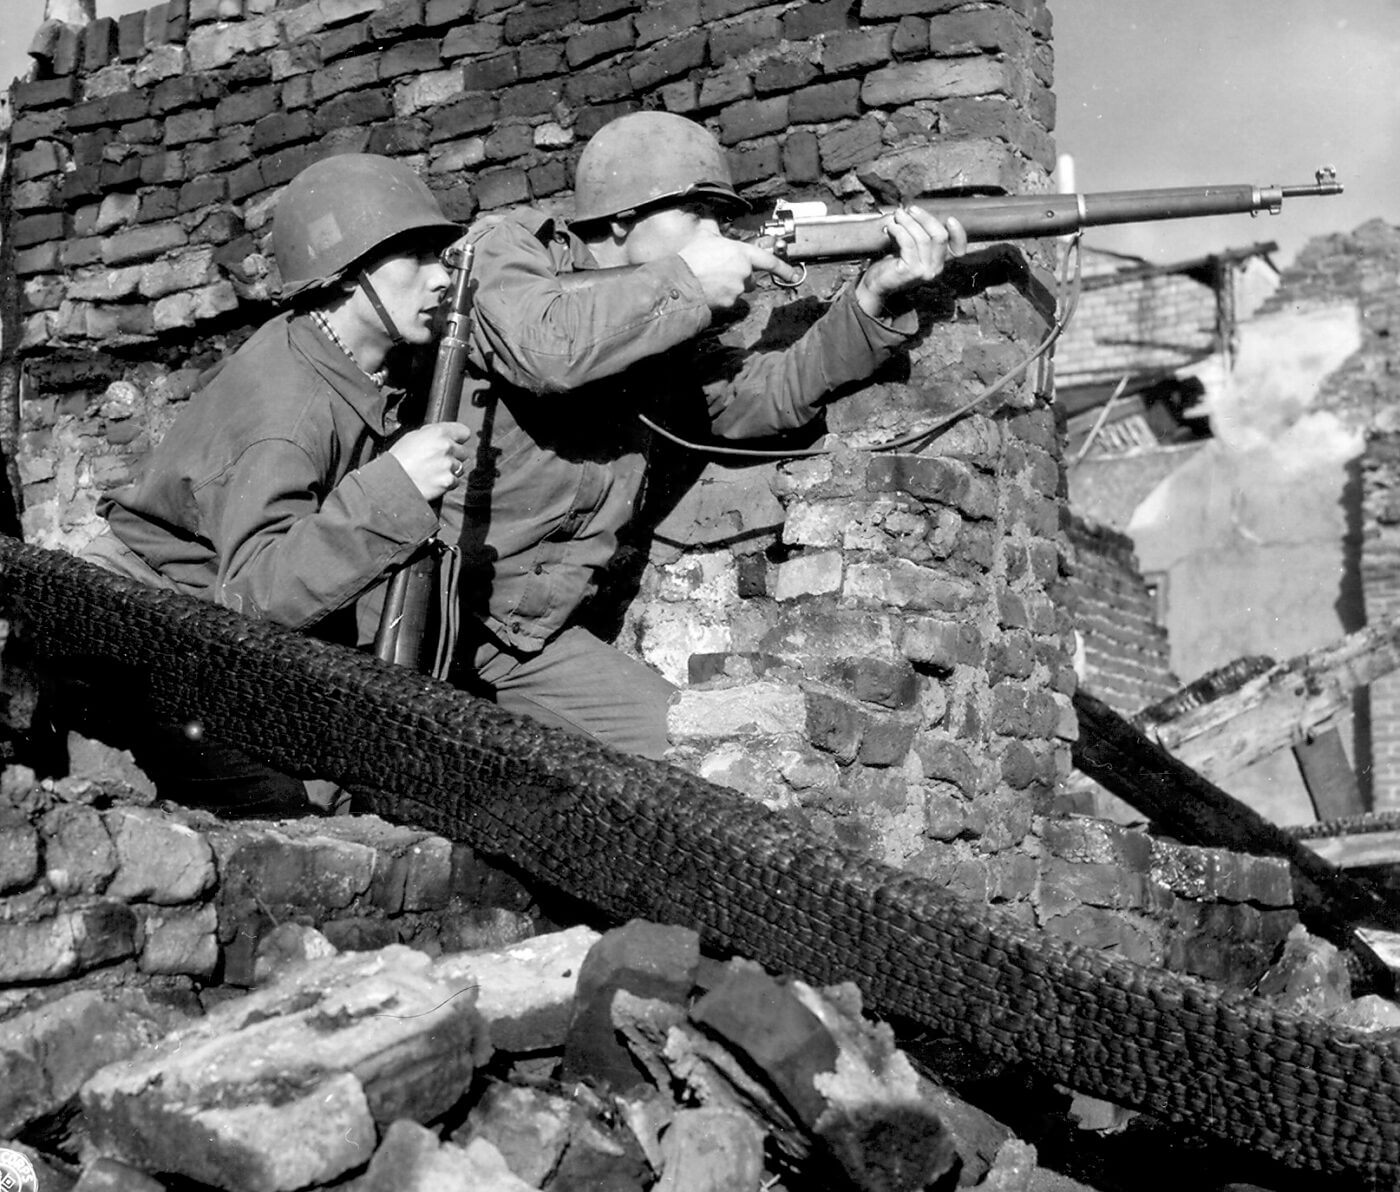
(550, 330)
(287, 555)
(750, 394)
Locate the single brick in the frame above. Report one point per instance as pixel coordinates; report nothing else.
(669, 60)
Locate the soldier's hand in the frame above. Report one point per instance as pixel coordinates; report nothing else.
(434, 456)
(725, 268)
(921, 249)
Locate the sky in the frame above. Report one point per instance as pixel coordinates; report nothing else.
(1182, 93)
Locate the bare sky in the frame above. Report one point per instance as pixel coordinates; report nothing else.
(1215, 91)
(1186, 93)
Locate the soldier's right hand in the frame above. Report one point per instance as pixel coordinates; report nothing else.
(434, 456)
(725, 268)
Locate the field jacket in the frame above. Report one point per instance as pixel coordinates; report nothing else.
(564, 356)
(269, 493)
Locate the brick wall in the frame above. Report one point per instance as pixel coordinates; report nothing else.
(102, 888)
(867, 639)
(1125, 654)
(1380, 578)
(921, 666)
(1362, 267)
(1136, 321)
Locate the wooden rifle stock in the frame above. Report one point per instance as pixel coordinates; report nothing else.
(805, 232)
(408, 602)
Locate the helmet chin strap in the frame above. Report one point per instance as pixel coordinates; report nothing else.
(389, 325)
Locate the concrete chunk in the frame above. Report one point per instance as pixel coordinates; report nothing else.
(526, 992)
(283, 1088)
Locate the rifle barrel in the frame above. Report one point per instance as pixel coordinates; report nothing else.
(802, 237)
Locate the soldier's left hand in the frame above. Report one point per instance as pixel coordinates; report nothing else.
(921, 249)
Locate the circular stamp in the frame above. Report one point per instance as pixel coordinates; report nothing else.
(17, 1173)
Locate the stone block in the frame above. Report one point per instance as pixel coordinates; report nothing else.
(598, 41)
(180, 942)
(46, 1054)
(669, 60)
(825, 103)
(162, 63)
(142, 243)
(813, 574)
(32, 229)
(36, 126)
(525, 993)
(848, 146)
(472, 39)
(19, 857)
(108, 1175)
(548, 16)
(79, 857)
(428, 882)
(648, 960)
(529, 1128)
(945, 78)
(502, 188)
(789, 73)
(196, 124)
(158, 859)
(666, 19)
(752, 118)
(412, 1159)
(766, 1023)
(284, 1087)
(989, 30)
(286, 948)
(43, 159)
(889, 684)
(909, 586)
(427, 91)
(212, 46)
(66, 943)
(752, 709)
(312, 871)
(883, 10)
(856, 49)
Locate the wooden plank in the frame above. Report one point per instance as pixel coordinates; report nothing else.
(1357, 850)
(1300, 698)
(1383, 948)
(1328, 775)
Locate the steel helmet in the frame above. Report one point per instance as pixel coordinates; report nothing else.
(342, 207)
(648, 158)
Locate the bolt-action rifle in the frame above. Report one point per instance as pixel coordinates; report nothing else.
(408, 603)
(805, 232)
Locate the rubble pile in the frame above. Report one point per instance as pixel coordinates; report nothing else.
(570, 1061)
(567, 1061)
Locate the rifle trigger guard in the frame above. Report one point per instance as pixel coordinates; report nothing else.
(792, 285)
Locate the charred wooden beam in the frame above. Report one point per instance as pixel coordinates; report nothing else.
(1288, 703)
(1186, 804)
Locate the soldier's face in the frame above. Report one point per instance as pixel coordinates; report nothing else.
(411, 285)
(667, 230)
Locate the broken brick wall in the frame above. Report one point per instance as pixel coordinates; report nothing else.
(1380, 577)
(1362, 267)
(1123, 654)
(867, 639)
(101, 888)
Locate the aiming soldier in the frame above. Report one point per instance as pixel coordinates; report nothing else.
(578, 327)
